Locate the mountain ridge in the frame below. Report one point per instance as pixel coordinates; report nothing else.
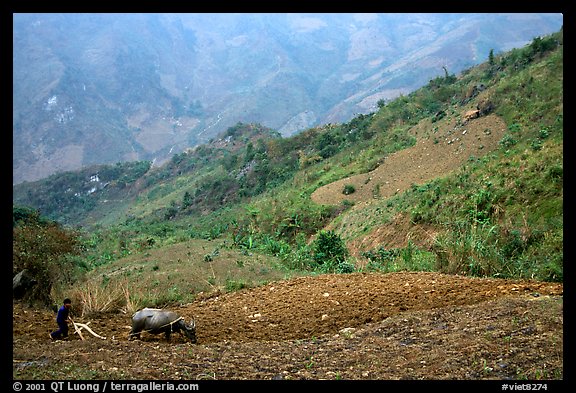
(112, 94)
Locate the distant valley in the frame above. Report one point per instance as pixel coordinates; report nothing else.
(104, 88)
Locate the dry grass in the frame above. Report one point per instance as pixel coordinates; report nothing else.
(174, 274)
(92, 297)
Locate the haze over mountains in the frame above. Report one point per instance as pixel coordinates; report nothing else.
(103, 88)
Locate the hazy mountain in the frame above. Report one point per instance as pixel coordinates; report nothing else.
(101, 88)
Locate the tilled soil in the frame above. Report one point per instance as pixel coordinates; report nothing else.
(353, 326)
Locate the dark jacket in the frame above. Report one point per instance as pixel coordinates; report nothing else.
(62, 316)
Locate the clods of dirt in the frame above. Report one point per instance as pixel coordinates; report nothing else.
(348, 326)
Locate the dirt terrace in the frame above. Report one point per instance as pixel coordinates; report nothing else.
(440, 148)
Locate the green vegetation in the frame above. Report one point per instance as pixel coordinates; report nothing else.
(329, 253)
(67, 196)
(409, 258)
(348, 189)
(500, 215)
(44, 249)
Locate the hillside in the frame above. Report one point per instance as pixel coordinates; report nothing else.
(417, 157)
(416, 242)
(93, 89)
(440, 148)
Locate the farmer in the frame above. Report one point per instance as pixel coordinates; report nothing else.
(62, 320)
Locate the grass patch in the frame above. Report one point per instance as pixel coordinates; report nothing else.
(172, 275)
(409, 258)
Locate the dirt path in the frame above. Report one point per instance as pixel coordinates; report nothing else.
(397, 325)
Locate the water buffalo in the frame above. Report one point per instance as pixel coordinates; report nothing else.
(156, 321)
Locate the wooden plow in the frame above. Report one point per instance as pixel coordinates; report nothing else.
(79, 326)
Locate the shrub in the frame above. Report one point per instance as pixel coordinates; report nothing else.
(348, 189)
(43, 249)
(329, 247)
(536, 144)
(508, 141)
(329, 254)
(235, 285)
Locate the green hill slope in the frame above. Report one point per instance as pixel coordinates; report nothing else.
(494, 208)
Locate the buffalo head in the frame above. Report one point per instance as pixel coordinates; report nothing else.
(189, 330)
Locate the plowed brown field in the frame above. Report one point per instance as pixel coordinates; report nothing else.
(351, 326)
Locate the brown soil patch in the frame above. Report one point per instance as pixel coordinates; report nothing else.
(401, 326)
(435, 153)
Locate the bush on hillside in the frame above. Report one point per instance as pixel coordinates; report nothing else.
(41, 248)
(329, 253)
